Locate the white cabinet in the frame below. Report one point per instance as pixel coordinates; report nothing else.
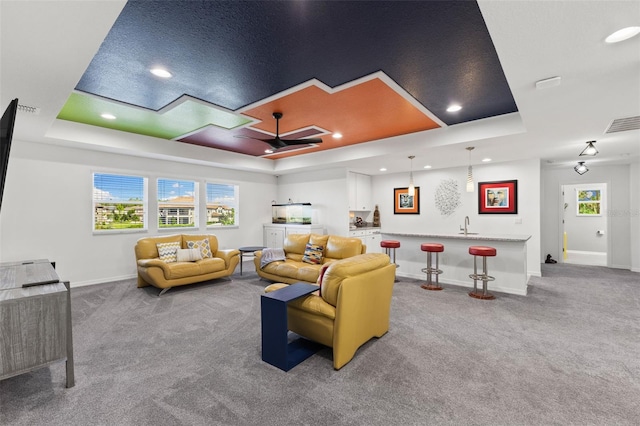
(273, 237)
(359, 186)
(370, 237)
(275, 233)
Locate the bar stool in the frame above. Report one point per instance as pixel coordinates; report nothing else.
(389, 246)
(485, 252)
(431, 248)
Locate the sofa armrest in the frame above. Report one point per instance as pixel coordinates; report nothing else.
(227, 255)
(150, 263)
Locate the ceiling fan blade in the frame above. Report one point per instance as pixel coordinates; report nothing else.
(301, 141)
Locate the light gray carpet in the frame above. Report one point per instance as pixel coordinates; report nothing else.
(567, 354)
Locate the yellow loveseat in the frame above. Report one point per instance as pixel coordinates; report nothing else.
(293, 269)
(353, 306)
(171, 273)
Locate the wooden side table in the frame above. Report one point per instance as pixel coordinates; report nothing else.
(276, 348)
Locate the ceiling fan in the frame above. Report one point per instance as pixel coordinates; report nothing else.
(277, 143)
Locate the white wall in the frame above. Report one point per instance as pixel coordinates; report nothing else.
(327, 192)
(47, 209)
(527, 173)
(618, 210)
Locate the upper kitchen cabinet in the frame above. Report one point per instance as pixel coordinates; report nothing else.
(359, 192)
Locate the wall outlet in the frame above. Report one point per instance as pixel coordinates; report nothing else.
(518, 221)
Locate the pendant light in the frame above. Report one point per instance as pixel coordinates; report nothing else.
(412, 189)
(469, 171)
(580, 168)
(590, 149)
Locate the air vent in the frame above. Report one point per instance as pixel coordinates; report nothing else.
(29, 109)
(624, 124)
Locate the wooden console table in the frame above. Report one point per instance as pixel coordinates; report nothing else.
(35, 319)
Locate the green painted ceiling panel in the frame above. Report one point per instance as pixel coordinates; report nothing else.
(184, 118)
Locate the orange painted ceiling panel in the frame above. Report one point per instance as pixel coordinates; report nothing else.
(367, 111)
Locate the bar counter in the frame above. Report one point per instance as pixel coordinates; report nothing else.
(509, 266)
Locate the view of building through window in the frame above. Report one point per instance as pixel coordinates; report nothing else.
(221, 204)
(177, 203)
(119, 202)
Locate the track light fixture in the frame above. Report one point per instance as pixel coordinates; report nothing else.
(580, 168)
(590, 149)
(412, 189)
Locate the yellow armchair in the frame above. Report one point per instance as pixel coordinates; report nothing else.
(353, 305)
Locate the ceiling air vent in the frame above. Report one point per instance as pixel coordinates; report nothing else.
(624, 124)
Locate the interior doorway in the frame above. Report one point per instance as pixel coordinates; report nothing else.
(584, 238)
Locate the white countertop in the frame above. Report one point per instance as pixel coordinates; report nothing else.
(469, 236)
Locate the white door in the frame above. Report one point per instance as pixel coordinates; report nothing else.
(584, 224)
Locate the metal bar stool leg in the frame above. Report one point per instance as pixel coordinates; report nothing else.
(484, 276)
(431, 249)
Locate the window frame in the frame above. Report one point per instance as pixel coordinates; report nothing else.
(178, 205)
(236, 203)
(144, 203)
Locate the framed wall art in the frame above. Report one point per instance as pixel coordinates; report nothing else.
(404, 203)
(499, 197)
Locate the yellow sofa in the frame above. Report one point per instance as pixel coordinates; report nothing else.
(158, 273)
(353, 306)
(293, 269)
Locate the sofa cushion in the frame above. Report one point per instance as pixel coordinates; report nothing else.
(314, 305)
(168, 252)
(295, 244)
(189, 255)
(319, 239)
(203, 245)
(211, 264)
(313, 254)
(342, 247)
(308, 272)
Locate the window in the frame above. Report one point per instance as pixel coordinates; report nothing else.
(222, 204)
(119, 202)
(177, 203)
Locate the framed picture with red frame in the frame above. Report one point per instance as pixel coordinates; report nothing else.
(499, 197)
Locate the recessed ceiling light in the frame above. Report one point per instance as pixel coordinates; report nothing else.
(268, 151)
(486, 160)
(107, 116)
(160, 72)
(427, 167)
(622, 34)
(337, 135)
(383, 169)
(454, 108)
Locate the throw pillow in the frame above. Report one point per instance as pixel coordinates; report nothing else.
(203, 245)
(189, 255)
(313, 254)
(168, 252)
(321, 276)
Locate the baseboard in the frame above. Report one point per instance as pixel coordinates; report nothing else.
(467, 284)
(102, 281)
